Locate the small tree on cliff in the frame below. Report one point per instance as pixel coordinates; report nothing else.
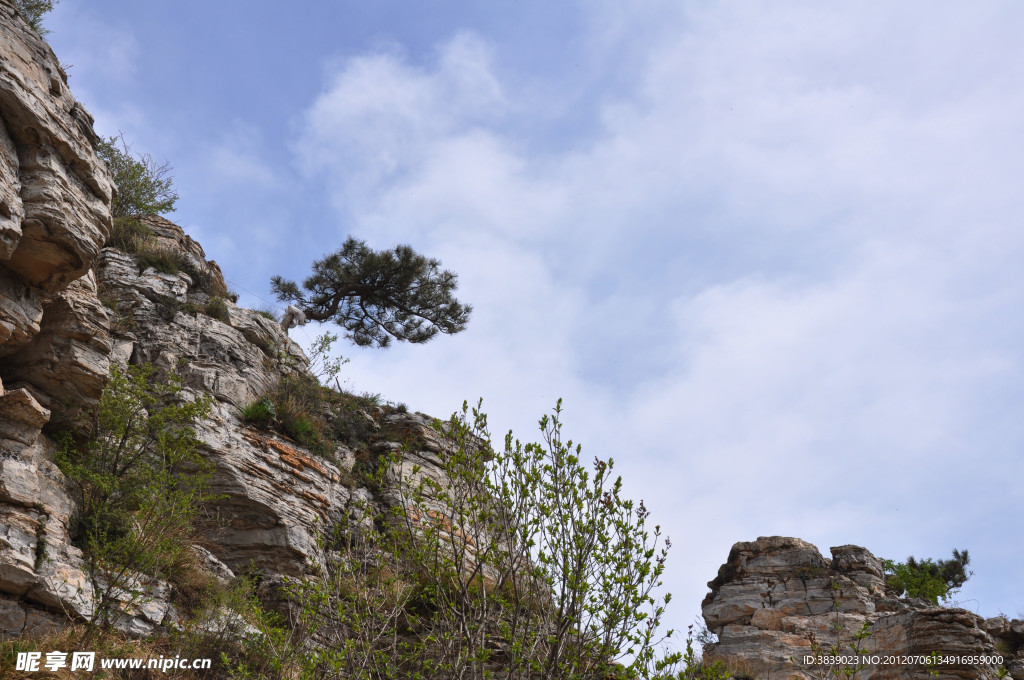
(144, 187)
(33, 11)
(928, 579)
(378, 296)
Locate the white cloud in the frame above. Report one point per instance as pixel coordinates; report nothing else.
(239, 159)
(381, 117)
(777, 284)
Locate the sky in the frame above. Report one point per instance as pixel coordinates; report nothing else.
(769, 253)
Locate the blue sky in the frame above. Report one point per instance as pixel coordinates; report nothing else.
(769, 253)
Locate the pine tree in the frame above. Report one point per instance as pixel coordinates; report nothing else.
(378, 296)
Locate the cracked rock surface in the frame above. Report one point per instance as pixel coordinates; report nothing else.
(778, 599)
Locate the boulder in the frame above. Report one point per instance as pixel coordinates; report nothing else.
(777, 600)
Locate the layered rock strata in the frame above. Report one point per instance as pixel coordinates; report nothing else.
(55, 192)
(71, 309)
(275, 494)
(777, 600)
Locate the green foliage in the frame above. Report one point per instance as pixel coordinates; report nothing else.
(202, 280)
(321, 364)
(358, 609)
(260, 412)
(277, 652)
(298, 401)
(530, 547)
(217, 308)
(164, 260)
(524, 560)
(130, 235)
(928, 579)
(689, 666)
(377, 296)
(144, 187)
(33, 11)
(141, 481)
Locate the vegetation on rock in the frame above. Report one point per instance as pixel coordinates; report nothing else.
(928, 579)
(523, 561)
(144, 187)
(140, 481)
(33, 11)
(378, 296)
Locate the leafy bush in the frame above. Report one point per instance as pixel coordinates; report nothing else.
(530, 551)
(144, 187)
(203, 281)
(524, 559)
(928, 579)
(141, 481)
(33, 11)
(218, 309)
(130, 235)
(266, 314)
(166, 260)
(298, 401)
(260, 412)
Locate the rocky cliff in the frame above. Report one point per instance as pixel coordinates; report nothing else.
(777, 600)
(70, 309)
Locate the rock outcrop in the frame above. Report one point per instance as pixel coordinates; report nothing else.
(275, 494)
(55, 199)
(776, 601)
(55, 192)
(71, 309)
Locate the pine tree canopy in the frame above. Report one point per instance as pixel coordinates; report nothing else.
(377, 296)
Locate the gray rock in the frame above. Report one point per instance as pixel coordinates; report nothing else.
(777, 599)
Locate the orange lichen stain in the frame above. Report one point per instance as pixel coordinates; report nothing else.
(253, 438)
(299, 460)
(313, 497)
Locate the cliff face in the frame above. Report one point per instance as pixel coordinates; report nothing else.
(776, 600)
(70, 309)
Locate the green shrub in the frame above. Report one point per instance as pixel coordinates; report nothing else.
(144, 187)
(298, 401)
(166, 260)
(928, 579)
(130, 235)
(218, 309)
(202, 280)
(141, 482)
(530, 550)
(524, 558)
(260, 412)
(33, 11)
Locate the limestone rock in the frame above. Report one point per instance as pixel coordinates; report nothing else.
(276, 496)
(21, 310)
(68, 361)
(777, 599)
(55, 206)
(23, 418)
